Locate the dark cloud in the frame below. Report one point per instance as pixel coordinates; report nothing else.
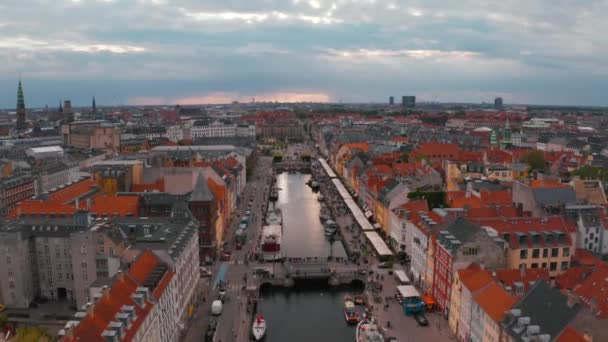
(538, 51)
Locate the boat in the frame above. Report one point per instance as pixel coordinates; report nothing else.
(258, 330)
(271, 242)
(368, 331)
(320, 198)
(324, 215)
(274, 217)
(330, 227)
(309, 182)
(350, 312)
(314, 185)
(274, 193)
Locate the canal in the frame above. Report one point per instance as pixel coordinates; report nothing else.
(310, 311)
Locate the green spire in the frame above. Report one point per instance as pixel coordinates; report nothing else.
(493, 140)
(20, 98)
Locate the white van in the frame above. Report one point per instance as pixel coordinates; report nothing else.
(216, 307)
(401, 277)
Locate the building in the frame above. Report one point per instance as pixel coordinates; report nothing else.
(114, 175)
(203, 206)
(391, 100)
(408, 101)
(15, 189)
(281, 130)
(215, 129)
(21, 111)
(498, 103)
(91, 135)
(542, 314)
(534, 242)
(139, 306)
(488, 309)
(48, 257)
(543, 198)
(458, 244)
(68, 113)
(591, 231)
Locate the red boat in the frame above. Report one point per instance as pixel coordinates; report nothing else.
(350, 312)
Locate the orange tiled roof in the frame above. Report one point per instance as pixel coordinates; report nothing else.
(70, 192)
(570, 335)
(433, 148)
(363, 146)
(106, 308)
(159, 185)
(400, 139)
(528, 224)
(592, 291)
(486, 212)
(571, 278)
(508, 277)
(540, 183)
(474, 278)
(111, 205)
(495, 301)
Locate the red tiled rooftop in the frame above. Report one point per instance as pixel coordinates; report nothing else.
(474, 278)
(111, 205)
(71, 192)
(495, 301)
(593, 290)
(540, 183)
(509, 276)
(570, 335)
(528, 224)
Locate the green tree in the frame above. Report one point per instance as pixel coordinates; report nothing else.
(592, 172)
(32, 334)
(535, 160)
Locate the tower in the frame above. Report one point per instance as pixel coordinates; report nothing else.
(391, 100)
(493, 139)
(93, 106)
(506, 140)
(20, 108)
(60, 109)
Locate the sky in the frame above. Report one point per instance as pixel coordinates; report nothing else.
(216, 51)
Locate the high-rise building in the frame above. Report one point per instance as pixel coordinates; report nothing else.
(391, 100)
(498, 103)
(93, 106)
(408, 101)
(21, 124)
(67, 111)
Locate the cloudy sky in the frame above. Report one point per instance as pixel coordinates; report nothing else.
(216, 51)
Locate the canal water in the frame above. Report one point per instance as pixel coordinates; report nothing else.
(303, 233)
(311, 310)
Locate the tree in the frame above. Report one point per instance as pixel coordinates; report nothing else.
(32, 334)
(535, 160)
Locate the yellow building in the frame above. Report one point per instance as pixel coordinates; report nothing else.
(535, 242)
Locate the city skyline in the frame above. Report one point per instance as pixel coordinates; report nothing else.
(327, 51)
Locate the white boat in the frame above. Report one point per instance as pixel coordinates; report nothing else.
(271, 242)
(274, 217)
(330, 227)
(367, 331)
(258, 330)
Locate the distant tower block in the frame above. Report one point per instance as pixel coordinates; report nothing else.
(408, 101)
(391, 100)
(498, 103)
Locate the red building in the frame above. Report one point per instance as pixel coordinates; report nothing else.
(460, 243)
(14, 190)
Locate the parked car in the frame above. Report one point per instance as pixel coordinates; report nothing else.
(226, 256)
(421, 320)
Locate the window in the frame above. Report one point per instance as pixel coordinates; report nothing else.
(523, 254)
(544, 265)
(534, 265)
(564, 265)
(553, 266)
(535, 253)
(8, 260)
(470, 251)
(545, 252)
(566, 251)
(554, 252)
(11, 284)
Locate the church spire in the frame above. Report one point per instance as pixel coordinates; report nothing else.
(60, 110)
(93, 105)
(20, 107)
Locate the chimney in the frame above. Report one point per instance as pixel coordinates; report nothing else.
(120, 276)
(522, 271)
(88, 307)
(105, 291)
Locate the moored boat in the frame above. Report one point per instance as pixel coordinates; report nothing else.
(258, 329)
(350, 312)
(330, 227)
(368, 331)
(271, 242)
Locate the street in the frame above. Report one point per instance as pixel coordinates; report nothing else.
(233, 323)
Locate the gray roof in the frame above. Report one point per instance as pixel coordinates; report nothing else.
(546, 307)
(553, 196)
(462, 229)
(201, 190)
